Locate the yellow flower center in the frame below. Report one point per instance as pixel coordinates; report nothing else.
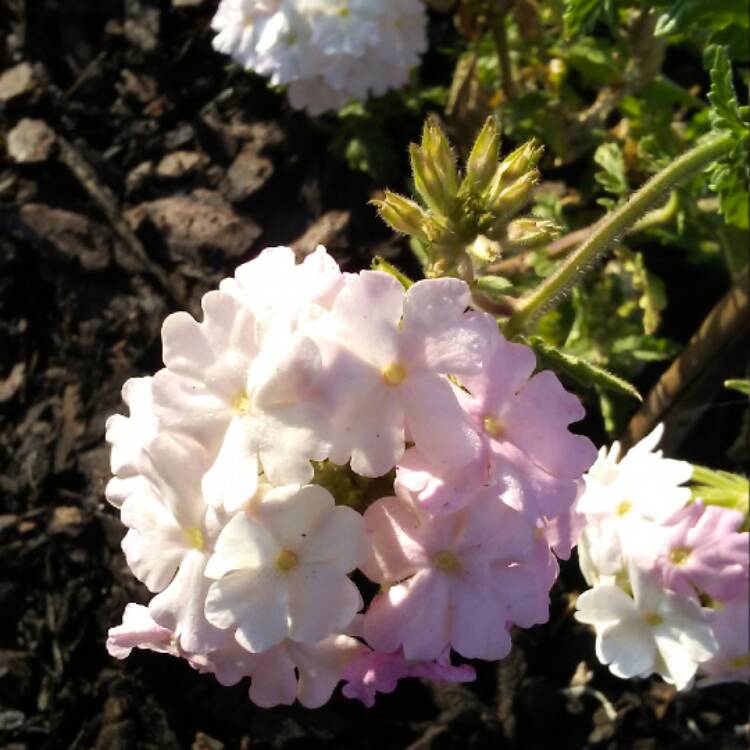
(195, 537)
(493, 427)
(287, 561)
(241, 403)
(446, 561)
(394, 374)
(624, 508)
(740, 662)
(679, 555)
(653, 618)
(344, 11)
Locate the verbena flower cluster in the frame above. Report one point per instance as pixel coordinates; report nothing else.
(301, 380)
(327, 52)
(669, 576)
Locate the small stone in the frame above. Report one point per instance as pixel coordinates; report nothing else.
(328, 230)
(10, 385)
(31, 141)
(119, 736)
(16, 81)
(11, 719)
(178, 164)
(200, 221)
(249, 173)
(66, 519)
(8, 521)
(70, 236)
(137, 177)
(204, 742)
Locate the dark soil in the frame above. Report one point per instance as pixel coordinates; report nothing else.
(156, 143)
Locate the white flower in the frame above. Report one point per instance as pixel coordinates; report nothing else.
(626, 502)
(327, 51)
(128, 436)
(282, 569)
(654, 631)
(171, 537)
(643, 482)
(241, 384)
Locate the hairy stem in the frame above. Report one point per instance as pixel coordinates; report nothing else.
(612, 227)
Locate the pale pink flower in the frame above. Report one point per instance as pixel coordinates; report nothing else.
(704, 551)
(654, 631)
(524, 420)
(282, 566)
(250, 406)
(138, 630)
(376, 672)
(170, 539)
(452, 580)
(387, 356)
(443, 491)
(307, 672)
(731, 629)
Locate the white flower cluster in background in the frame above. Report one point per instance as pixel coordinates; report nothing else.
(669, 576)
(232, 469)
(327, 52)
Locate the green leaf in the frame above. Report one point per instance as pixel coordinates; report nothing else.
(494, 286)
(613, 174)
(728, 177)
(723, 488)
(741, 386)
(725, 111)
(596, 61)
(583, 372)
(728, 180)
(718, 21)
(581, 15)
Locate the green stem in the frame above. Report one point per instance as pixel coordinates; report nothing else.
(612, 227)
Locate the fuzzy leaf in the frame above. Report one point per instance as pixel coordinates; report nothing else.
(728, 176)
(494, 286)
(613, 175)
(715, 487)
(583, 372)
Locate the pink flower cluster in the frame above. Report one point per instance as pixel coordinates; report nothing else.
(669, 576)
(250, 558)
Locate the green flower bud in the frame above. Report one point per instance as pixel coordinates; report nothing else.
(402, 215)
(482, 162)
(437, 150)
(512, 199)
(483, 250)
(427, 181)
(512, 167)
(531, 233)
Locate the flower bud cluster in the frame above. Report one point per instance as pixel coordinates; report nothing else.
(669, 576)
(240, 473)
(327, 52)
(466, 220)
